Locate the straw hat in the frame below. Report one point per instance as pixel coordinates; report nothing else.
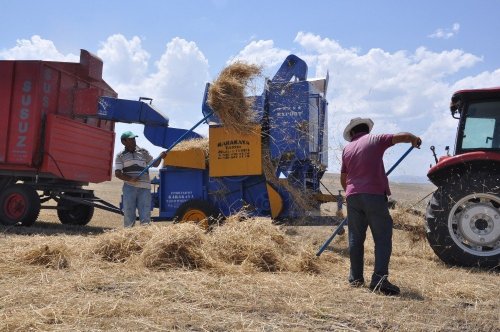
(354, 122)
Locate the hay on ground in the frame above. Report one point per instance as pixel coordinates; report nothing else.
(119, 246)
(226, 96)
(412, 224)
(180, 246)
(255, 243)
(308, 262)
(53, 256)
(240, 244)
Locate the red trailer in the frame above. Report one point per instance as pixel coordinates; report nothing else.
(52, 143)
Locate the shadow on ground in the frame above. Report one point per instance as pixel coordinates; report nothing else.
(49, 228)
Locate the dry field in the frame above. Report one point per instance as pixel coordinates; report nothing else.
(250, 276)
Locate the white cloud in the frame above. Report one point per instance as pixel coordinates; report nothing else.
(36, 48)
(483, 80)
(181, 75)
(261, 52)
(126, 62)
(446, 33)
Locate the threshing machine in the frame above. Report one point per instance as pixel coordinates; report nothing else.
(289, 140)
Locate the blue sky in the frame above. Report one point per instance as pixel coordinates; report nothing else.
(397, 62)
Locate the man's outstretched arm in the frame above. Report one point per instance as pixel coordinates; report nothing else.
(407, 138)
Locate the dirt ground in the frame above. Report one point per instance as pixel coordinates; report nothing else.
(59, 278)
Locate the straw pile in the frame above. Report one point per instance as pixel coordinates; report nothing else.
(181, 247)
(54, 256)
(412, 224)
(226, 96)
(119, 246)
(256, 244)
(195, 143)
(239, 245)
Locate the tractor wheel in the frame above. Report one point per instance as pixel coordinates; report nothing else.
(199, 211)
(71, 213)
(463, 221)
(19, 203)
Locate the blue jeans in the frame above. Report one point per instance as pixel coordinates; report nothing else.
(369, 210)
(136, 198)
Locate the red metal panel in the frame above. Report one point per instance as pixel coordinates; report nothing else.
(49, 90)
(76, 151)
(445, 162)
(6, 77)
(91, 65)
(75, 148)
(67, 85)
(86, 101)
(24, 122)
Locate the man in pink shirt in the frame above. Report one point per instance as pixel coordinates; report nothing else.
(367, 187)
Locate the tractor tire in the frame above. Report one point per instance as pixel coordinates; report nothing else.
(19, 203)
(199, 211)
(71, 213)
(463, 221)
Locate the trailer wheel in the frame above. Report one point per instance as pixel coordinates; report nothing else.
(463, 221)
(71, 213)
(20, 203)
(198, 211)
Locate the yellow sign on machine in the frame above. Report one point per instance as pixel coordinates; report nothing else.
(233, 153)
(192, 158)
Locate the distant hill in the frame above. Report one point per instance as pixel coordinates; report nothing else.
(405, 189)
(395, 179)
(409, 179)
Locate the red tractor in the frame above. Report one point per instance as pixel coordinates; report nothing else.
(463, 218)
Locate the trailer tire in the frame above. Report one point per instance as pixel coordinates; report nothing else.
(461, 215)
(19, 203)
(71, 213)
(199, 211)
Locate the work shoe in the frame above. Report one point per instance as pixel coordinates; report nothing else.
(357, 283)
(385, 287)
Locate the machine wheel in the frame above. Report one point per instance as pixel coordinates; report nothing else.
(463, 221)
(20, 203)
(199, 211)
(71, 213)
